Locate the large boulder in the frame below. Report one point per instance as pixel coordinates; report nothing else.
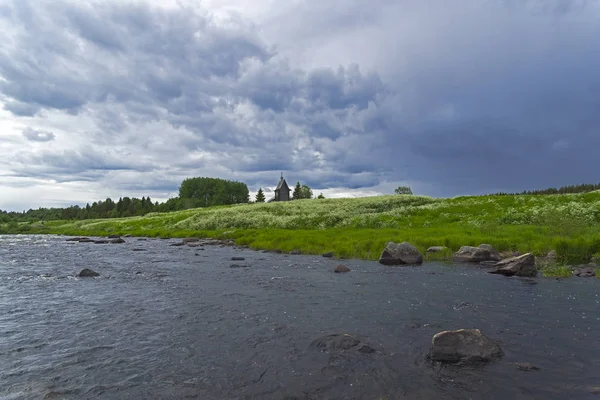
(520, 266)
(484, 252)
(464, 346)
(400, 253)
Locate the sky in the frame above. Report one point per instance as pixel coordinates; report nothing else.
(122, 98)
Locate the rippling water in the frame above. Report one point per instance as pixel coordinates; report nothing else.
(177, 322)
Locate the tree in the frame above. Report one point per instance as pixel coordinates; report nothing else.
(320, 196)
(403, 190)
(297, 194)
(306, 192)
(260, 196)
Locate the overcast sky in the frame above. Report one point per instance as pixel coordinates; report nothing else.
(352, 97)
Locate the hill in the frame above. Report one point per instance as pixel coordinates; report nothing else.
(359, 228)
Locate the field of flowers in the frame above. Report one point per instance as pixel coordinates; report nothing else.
(360, 227)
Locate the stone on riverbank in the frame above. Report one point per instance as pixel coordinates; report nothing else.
(400, 253)
(471, 254)
(464, 346)
(328, 254)
(87, 273)
(117, 241)
(584, 271)
(516, 266)
(436, 249)
(113, 236)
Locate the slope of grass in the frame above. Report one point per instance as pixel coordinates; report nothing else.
(570, 224)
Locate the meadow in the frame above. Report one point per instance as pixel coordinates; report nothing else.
(360, 227)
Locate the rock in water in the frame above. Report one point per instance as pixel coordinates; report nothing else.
(528, 367)
(341, 268)
(113, 236)
(117, 241)
(295, 252)
(87, 273)
(484, 252)
(400, 253)
(464, 346)
(520, 266)
(335, 342)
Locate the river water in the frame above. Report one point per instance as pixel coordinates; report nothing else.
(170, 322)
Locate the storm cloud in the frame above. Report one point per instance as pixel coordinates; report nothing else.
(348, 97)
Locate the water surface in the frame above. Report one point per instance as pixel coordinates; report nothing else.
(178, 322)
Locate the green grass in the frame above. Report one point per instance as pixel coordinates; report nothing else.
(359, 228)
(557, 271)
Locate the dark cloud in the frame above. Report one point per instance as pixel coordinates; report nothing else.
(462, 98)
(37, 135)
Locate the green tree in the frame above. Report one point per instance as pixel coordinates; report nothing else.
(320, 196)
(260, 196)
(403, 190)
(297, 193)
(306, 192)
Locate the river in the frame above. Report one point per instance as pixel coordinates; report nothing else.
(165, 322)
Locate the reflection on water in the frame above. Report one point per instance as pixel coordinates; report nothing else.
(177, 322)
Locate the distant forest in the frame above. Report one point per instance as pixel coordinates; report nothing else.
(583, 188)
(193, 192)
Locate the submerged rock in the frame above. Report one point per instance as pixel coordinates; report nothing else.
(177, 244)
(87, 273)
(75, 239)
(85, 240)
(117, 241)
(518, 266)
(341, 268)
(526, 366)
(102, 241)
(237, 258)
(400, 253)
(484, 252)
(464, 346)
(190, 240)
(239, 266)
(340, 342)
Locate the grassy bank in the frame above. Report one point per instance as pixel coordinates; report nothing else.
(569, 224)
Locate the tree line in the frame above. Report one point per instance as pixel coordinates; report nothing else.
(581, 188)
(193, 192)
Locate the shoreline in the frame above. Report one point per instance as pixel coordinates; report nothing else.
(545, 266)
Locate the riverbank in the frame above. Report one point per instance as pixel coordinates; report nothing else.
(360, 228)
